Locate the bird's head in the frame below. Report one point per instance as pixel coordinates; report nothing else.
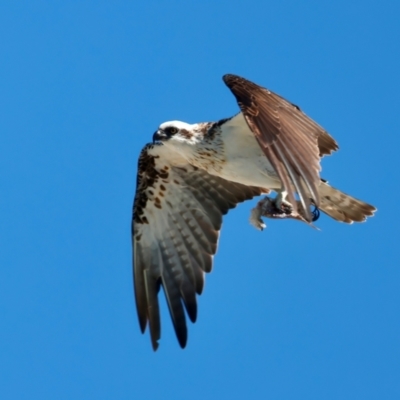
(177, 132)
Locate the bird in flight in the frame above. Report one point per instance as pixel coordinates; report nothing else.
(193, 174)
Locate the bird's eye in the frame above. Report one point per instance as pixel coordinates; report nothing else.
(172, 130)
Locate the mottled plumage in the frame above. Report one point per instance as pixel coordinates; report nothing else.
(193, 174)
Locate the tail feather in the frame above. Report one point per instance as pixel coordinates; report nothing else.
(342, 207)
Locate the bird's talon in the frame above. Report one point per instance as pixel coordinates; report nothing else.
(283, 206)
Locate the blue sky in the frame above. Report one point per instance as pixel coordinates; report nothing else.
(289, 313)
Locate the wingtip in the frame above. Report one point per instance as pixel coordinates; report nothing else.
(155, 345)
(142, 324)
(182, 342)
(228, 77)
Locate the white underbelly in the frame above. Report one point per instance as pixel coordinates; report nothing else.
(245, 161)
(254, 171)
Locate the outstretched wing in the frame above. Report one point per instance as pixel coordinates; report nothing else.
(177, 216)
(292, 142)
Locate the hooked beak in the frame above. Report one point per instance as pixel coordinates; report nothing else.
(159, 136)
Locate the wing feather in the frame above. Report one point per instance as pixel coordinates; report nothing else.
(177, 216)
(291, 141)
(151, 286)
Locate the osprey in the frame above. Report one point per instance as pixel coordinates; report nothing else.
(191, 175)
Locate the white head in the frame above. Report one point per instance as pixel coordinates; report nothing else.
(177, 132)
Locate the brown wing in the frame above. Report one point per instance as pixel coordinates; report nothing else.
(292, 141)
(177, 216)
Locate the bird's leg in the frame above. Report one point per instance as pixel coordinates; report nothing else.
(281, 203)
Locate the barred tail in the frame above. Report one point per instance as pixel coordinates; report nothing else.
(341, 206)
